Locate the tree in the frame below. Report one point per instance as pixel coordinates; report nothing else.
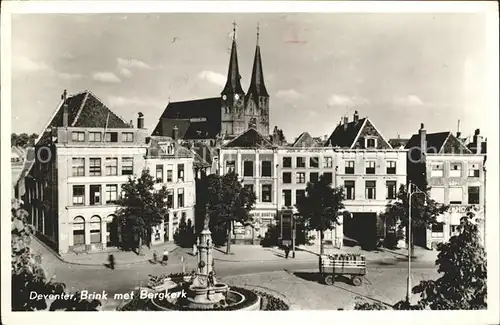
(320, 207)
(462, 262)
(23, 140)
(227, 202)
(29, 276)
(184, 236)
(424, 211)
(142, 207)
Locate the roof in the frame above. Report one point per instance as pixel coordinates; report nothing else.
(195, 119)
(398, 142)
(84, 110)
(344, 137)
(233, 84)
(202, 156)
(28, 163)
(305, 140)
(435, 141)
(257, 86)
(251, 138)
(18, 152)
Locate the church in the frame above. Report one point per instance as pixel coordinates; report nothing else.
(226, 116)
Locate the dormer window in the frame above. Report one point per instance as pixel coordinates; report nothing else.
(168, 149)
(370, 143)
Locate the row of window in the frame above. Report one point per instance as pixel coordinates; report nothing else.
(79, 230)
(266, 193)
(79, 136)
(455, 194)
(110, 166)
(437, 170)
(111, 195)
(160, 177)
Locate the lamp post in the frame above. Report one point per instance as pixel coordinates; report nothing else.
(410, 193)
(294, 229)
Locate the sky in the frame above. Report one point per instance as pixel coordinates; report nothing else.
(399, 70)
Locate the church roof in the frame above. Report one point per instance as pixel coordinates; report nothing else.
(257, 87)
(233, 84)
(84, 110)
(251, 138)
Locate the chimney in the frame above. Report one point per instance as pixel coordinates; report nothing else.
(131, 123)
(64, 96)
(356, 117)
(140, 121)
(175, 133)
(478, 140)
(346, 121)
(458, 130)
(276, 136)
(423, 141)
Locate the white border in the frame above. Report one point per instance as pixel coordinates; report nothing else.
(461, 317)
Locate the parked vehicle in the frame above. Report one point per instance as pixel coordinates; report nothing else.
(353, 265)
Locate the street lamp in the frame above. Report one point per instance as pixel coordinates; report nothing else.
(410, 193)
(295, 213)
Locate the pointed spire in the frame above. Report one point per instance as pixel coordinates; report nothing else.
(257, 87)
(233, 84)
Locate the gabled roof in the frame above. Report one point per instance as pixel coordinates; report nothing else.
(84, 110)
(436, 142)
(398, 142)
(345, 137)
(251, 138)
(305, 140)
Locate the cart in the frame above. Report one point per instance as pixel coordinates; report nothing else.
(353, 265)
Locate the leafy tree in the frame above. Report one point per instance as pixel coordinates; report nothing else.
(227, 202)
(184, 236)
(273, 234)
(320, 208)
(424, 211)
(29, 276)
(362, 304)
(462, 262)
(23, 140)
(142, 207)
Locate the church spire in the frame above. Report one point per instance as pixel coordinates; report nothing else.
(257, 87)
(233, 84)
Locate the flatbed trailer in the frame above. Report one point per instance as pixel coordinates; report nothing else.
(353, 265)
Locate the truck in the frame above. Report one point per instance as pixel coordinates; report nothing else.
(350, 265)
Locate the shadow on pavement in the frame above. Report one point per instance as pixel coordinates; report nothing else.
(383, 263)
(365, 297)
(309, 276)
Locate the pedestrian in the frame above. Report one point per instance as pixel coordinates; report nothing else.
(155, 256)
(165, 257)
(111, 261)
(287, 250)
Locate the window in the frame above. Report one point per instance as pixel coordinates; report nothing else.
(437, 170)
(180, 198)
(371, 143)
(111, 137)
(78, 166)
(301, 162)
(473, 170)
(78, 136)
(95, 166)
(370, 167)
(248, 168)
(455, 170)
(287, 178)
(111, 166)
(78, 231)
(78, 194)
(391, 189)
(349, 167)
(437, 230)
(127, 137)
(349, 190)
(456, 195)
(111, 193)
(437, 194)
(127, 166)
(170, 174)
(249, 187)
(287, 198)
(230, 166)
(266, 169)
(370, 190)
(95, 230)
(313, 177)
(300, 178)
(299, 196)
(267, 190)
(391, 167)
(95, 194)
(95, 136)
(473, 194)
(180, 172)
(328, 162)
(287, 162)
(170, 197)
(328, 177)
(454, 230)
(314, 162)
(159, 173)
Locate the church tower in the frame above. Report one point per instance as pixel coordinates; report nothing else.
(233, 97)
(257, 98)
